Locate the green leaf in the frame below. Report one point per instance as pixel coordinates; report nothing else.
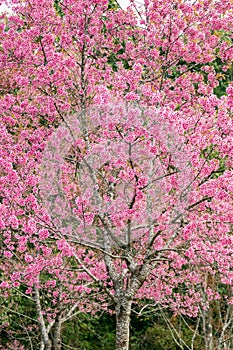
(113, 5)
(58, 8)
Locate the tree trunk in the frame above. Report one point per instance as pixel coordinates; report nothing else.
(46, 346)
(123, 312)
(45, 341)
(208, 329)
(56, 342)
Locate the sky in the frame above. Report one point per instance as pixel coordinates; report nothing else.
(3, 8)
(124, 3)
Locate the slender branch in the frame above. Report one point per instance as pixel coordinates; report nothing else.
(44, 54)
(44, 332)
(159, 178)
(19, 313)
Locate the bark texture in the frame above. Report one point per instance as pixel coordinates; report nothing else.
(56, 343)
(123, 312)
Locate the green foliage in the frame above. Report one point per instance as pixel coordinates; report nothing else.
(159, 337)
(13, 91)
(220, 170)
(224, 77)
(6, 29)
(38, 39)
(113, 5)
(43, 121)
(58, 8)
(112, 61)
(211, 152)
(87, 332)
(104, 29)
(224, 73)
(17, 316)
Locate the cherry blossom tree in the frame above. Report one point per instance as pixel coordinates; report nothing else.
(125, 199)
(146, 182)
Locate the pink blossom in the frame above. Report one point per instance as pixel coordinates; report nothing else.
(43, 234)
(28, 258)
(7, 254)
(131, 96)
